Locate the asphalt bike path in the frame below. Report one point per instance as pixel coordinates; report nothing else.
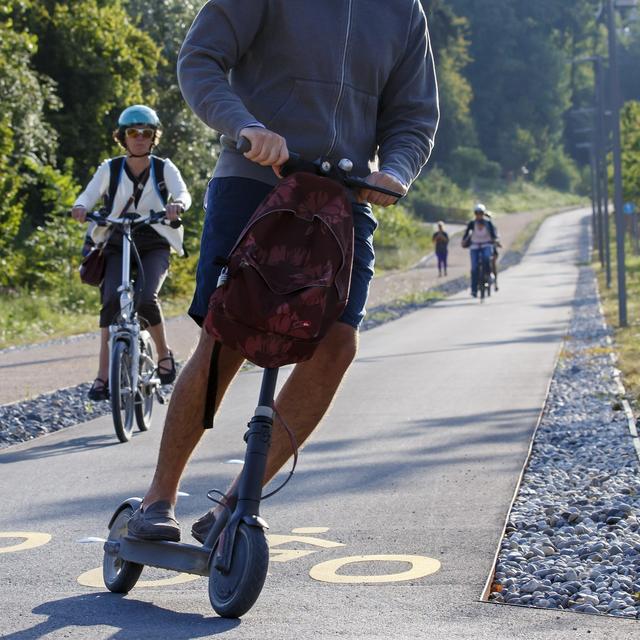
(389, 527)
(27, 372)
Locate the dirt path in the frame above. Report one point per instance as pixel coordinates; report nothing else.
(30, 371)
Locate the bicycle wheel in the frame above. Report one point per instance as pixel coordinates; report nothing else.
(120, 575)
(232, 594)
(481, 279)
(144, 394)
(122, 393)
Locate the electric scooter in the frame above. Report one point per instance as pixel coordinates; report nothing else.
(235, 554)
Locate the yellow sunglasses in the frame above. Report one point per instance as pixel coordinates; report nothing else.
(133, 132)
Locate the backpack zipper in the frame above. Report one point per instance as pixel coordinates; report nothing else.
(334, 139)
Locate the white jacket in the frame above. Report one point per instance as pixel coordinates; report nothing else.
(149, 200)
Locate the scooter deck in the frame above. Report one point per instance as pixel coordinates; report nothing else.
(175, 556)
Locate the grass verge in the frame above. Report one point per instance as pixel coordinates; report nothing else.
(626, 339)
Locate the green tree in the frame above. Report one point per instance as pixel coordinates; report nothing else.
(27, 142)
(630, 134)
(449, 41)
(186, 139)
(521, 73)
(99, 61)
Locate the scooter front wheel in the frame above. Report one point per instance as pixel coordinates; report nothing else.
(232, 594)
(119, 575)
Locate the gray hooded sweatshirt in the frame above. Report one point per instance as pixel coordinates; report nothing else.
(338, 78)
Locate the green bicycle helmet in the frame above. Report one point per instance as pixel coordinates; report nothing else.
(139, 114)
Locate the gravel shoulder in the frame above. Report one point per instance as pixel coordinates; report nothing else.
(572, 539)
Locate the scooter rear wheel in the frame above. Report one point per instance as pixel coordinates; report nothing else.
(232, 594)
(119, 575)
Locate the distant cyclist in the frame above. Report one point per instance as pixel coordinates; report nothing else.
(137, 188)
(494, 256)
(480, 237)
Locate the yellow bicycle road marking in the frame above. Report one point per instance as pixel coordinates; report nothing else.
(421, 566)
(32, 540)
(93, 578)
(309, 530)
(275, 540)
(285, 555)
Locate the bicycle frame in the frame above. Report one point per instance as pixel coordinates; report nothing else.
(127, 327)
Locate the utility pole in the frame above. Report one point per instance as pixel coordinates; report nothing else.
(617, 163)
(601, 155)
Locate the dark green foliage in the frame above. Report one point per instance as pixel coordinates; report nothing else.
(98, 60)
(630, 124)
(508, 87)
(466, 164)
(557, 170)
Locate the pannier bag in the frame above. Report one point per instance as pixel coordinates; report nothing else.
(92, 267)
(287, 278)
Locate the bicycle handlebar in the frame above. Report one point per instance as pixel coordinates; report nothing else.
(322, 167)
(101, 218)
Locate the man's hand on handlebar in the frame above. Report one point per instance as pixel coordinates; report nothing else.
(79, 213)
(385, 180)
(267, 148)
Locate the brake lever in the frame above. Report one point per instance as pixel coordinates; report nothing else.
(361, 183)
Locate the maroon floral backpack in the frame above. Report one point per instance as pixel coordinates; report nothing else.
(287, 278)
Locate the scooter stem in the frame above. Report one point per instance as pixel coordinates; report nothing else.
(258, 439)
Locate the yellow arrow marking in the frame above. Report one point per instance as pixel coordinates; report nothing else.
(93, 578)
(32, 540)
(421, 566)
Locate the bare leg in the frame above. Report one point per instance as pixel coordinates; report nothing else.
(307, 395)
(103, 358)
(183, 424)
(160, 339)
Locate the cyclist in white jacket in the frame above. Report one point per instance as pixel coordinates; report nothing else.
(138, 190)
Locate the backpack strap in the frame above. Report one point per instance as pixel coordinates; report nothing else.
(158, 174)
(115, 169)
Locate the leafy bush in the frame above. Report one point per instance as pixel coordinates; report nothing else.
(466, 164)
(401, 239)
(557, 170)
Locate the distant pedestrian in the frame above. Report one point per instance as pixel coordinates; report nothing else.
(441, 242)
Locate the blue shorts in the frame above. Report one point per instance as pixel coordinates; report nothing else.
(230, 202)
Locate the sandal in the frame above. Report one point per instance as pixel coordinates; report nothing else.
(99, 390)
(166, 375)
